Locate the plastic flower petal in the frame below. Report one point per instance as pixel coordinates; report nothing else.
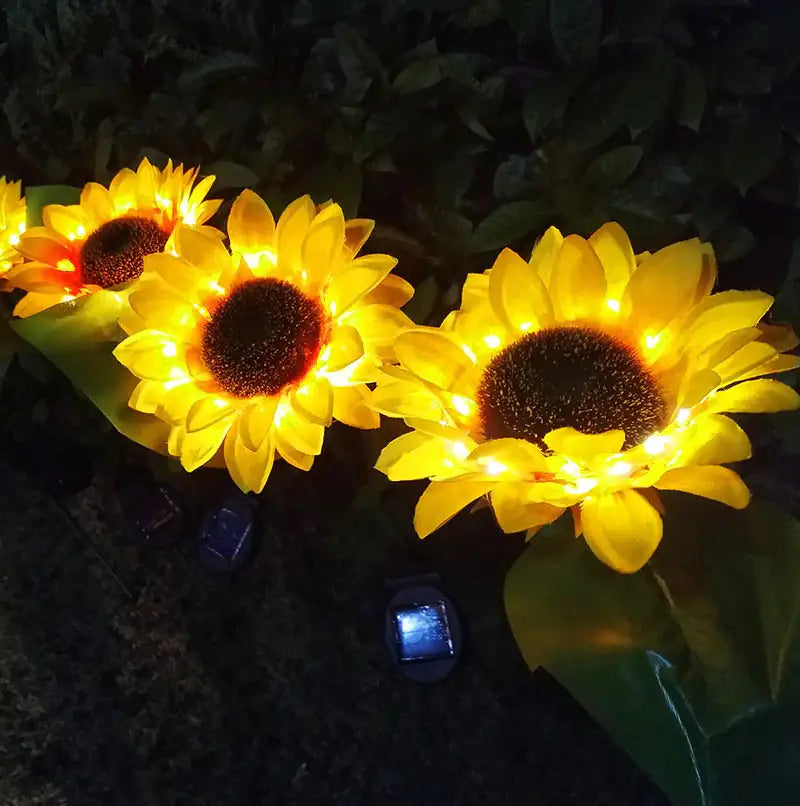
(587, 378)
(12, 223)
(252, 353)
(102, 241)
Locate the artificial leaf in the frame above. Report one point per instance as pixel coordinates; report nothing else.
(507, 223)
(613, 168)
(37, 196)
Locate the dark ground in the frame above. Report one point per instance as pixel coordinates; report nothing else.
(271, 686)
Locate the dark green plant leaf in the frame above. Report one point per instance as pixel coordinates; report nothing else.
(648, 92)
(231, 175)
(38, 196)
(752, 151)
(419, 75)
(507, 223)
(576, 27)
(546, 101)
(745, 75)
(692, 97)
(598, 110)
(732, 242)
(513, 178)
(693, 664)
(421, 305)
(78, 338)
(613, 168)
(216, 68)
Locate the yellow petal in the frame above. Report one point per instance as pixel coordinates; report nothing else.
(67, 220)
(744, 360)
(763, 395)
(722, 313)
(34, 302)
(199, 447)
(569, 442)
(153, 356)
(709, 274)
(314, 399)
(713, 439)
(355, 282)
(176, 403)
(251, 227)
(724, 348)
(290, 232)
(422, 457)
(161, 309)
(378, 326)
(180, 275)
(47, 246)
(322, 248)
(622, 529)
(444, 499)
(345, 348)
(202, 250)
(515, 512)
(780, 363)
(406, 399)
(146, 396)
(578, 283)
(298, 459)
(351, 407)
(397, 448)
(517, 294)
(475, 290)
(663, 287)
(249, 469)
(392, 290)
(780, 335)
(710, 481)
(302, 435)
(207, 411)
(516, 456)
(613, 248)
(544, 254)
(432, 356)
(698, 386)
(256, 422)
(97, 204)
(356, 232)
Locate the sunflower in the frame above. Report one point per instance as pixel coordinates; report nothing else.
(586, 379)
(102, 241)
(12, 223)
(262, 348)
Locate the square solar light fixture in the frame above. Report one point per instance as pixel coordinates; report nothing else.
(226, 535)
(423, 633)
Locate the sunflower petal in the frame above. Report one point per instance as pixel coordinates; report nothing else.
(146, 396)
(432, 356)
(709, 481)
(207, 411)
(344, 349)
(39, 243)
(199, 447)
(780, 335)
(544, 254)
(356, 233)
(251, 227)
(507, 454)
(622, 529)
(442, 500)
(613, 248)
(746, 359)
(249, 469)
(723, 313)
(517, 294)
(98, 204)
(351, 407)
(378, 326)
(69, 221)
(392, 290)
(290, 232)
(256, 422)
(323, 244)
(430, 456)
(577, 283)
(579, 446)
(762, 395)
(314, 399)
(301, 434)
(357, 281)
(34, 302)
(515, 512)
(713, 439)
(202, 250)
(406, 399)
(298, 459)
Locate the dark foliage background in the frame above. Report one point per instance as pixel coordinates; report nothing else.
(461, 126)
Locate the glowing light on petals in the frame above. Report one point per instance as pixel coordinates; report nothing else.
(460, 450)
(581, 486)
(655, 444)
(495, 468)
(620, 468)
(462, 405)
(526, 326)
(651, 340)
(683, 415)
(468, 352)
(613, 305)
(492, 341)
(13, 239)
(169, 350)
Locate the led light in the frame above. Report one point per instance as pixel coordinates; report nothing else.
(163, 201)
(190, 218)
(570, 468)
(216, 287)
(620, 468)
(252, 259)
(683, 415)
(332, 307)
(526, 326)
(495, 468)
(655, 444)
(468, 352)
(462, 405)
(169, 350)
(492, 341)
(613, 305)
(13, 239)
(220, 403)
(460, 450)
(651, 340)
(581, 486)
(21, 227)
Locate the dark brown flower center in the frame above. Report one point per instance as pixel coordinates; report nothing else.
(266, 335)
(568, 376)
(114, 253)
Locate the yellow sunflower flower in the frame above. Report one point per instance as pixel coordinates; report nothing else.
(102, 241)
(587, 379)
(262, 348)
(12, 223)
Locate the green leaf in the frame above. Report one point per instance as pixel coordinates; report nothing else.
(732, 242)
(216, 68)
(614, 168)
(513, 178)
(692, 97)
(598, 110)
(507, 223)
(576, 27)
(231, 175)
(419, 75)
(78, 338)
(752, 151)
(693, 664)
(421, 305)
(103, 146)
(546, 101)
(648, 93)
(745, 75)
(38, 196)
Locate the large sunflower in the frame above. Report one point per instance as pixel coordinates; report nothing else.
(586, 378)
(12, 223)
(102, 241)
(262, 348)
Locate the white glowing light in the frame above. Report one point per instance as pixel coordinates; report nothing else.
(163, 201)
(13, 239)
(495, 468)
(683, 415)
(651, 340)
(570, 468)
(613, 305)
(492, 341)
(169, 350)
(332, 307)
(252, 259)
(21, 227)
(462, 405)
(620, 468)
(581, 486)
(190, 218)
(468, 352)
(220, 403)
(216, 287)
(526, 326)
(460, 450)
(655, 444)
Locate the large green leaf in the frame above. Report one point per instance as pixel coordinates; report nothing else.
(693, 664)
(507, 223)
(78, 338)
(38, 196)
